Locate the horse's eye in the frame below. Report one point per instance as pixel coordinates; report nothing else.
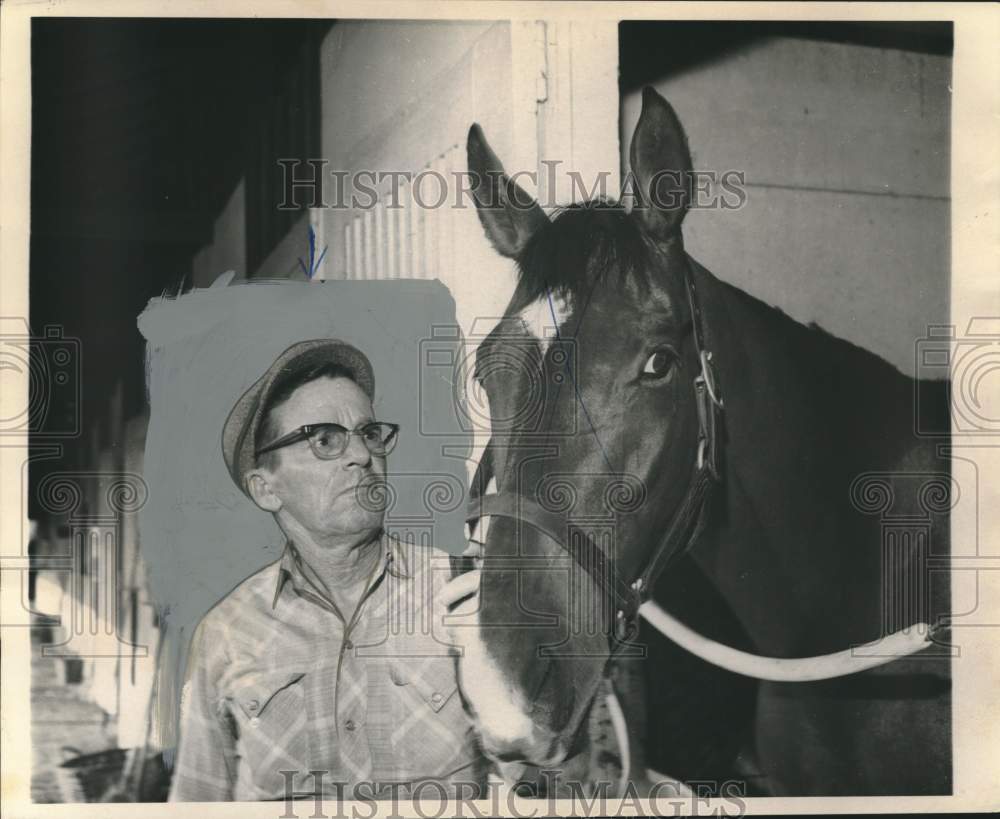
(659, 363)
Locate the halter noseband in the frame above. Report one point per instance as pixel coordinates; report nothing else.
(685, 527)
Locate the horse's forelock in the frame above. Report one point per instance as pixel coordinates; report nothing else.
(584, 244)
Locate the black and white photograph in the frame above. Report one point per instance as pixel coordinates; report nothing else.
(499, 409)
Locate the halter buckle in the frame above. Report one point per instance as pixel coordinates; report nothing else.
(710, 409)
(624, 626)
(708, 377)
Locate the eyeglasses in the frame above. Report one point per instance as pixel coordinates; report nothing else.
(330, 440)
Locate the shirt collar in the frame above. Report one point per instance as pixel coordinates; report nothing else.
(293, 567)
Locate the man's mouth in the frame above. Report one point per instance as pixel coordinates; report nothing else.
(369, 493)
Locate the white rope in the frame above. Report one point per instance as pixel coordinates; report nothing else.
(621, 735)
(806, 669)
(618, 721)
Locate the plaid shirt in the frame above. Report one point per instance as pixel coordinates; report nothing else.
(284, 692)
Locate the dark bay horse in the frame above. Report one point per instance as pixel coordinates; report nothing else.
(823, 525)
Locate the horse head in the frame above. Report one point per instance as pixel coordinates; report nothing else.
(594, 426)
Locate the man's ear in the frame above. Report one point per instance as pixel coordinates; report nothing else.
(259, 486)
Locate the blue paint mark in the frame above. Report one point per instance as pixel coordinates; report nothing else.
(314, 263)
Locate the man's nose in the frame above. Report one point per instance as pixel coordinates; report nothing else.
(357, 453)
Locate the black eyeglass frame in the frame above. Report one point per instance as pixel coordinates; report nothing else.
(304, 432)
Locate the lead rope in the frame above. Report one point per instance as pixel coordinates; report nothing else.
(806, 669)
(900, 644)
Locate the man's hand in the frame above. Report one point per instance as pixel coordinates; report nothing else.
(464, 588)
(459, 597)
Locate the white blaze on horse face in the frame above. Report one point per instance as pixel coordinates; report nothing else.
(501, 711)
(544, 317)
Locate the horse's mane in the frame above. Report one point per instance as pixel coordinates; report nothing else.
(865, 397)
(812, 343)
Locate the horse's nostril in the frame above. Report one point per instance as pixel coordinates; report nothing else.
(541, 749)
(505, 753)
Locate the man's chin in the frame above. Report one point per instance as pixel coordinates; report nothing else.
(356, 519)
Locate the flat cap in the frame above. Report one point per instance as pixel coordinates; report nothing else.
(239, 433)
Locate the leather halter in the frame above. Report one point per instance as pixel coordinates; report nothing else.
(684, 529)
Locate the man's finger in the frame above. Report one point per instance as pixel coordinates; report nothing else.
(470, 605)
(459, 587)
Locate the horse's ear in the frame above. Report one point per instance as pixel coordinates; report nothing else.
(661, 165)
(509, 215)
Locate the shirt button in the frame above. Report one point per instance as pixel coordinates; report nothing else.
(350, 725)
(254, 705)
(436, 698)
(348, 644)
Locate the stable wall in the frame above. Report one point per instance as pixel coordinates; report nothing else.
(228, 248)
(401, 96)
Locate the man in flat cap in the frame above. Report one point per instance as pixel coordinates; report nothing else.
(300, 681)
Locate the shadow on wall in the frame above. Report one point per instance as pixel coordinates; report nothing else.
(651, 49)
(200, 535)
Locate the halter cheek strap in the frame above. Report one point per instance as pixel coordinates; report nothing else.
(578, 544)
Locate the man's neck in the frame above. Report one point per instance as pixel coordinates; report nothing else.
(343, 565)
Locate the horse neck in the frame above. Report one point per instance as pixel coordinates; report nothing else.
(804, 414)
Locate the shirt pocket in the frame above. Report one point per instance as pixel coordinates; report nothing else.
(269, 707)
(431, 679)
(433, 735)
